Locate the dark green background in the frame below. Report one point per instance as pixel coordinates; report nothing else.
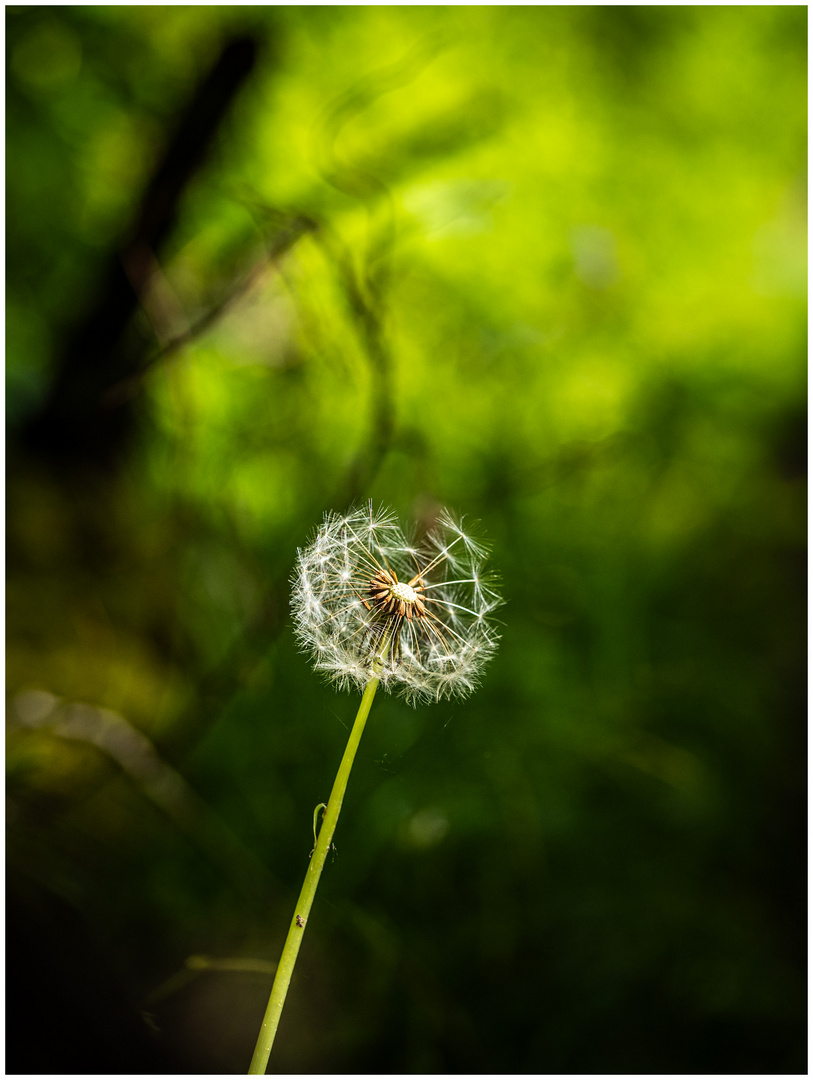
(546, 266)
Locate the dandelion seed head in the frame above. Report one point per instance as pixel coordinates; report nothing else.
(369, 602)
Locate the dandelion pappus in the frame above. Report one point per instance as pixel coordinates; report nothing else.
(418, 615)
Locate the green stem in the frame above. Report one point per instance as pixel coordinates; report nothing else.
(285, 968)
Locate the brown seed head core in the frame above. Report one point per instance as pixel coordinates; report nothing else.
(399, 598)
(401, 591)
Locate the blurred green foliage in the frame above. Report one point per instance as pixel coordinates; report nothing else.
(546, 266)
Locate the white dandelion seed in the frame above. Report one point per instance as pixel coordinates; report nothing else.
(368, 602)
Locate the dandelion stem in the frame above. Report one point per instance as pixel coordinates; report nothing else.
(285, 968)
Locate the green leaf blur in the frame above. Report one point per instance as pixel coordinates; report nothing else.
(546, 266)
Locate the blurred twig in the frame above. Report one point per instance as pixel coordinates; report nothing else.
(365, 289)
(282, 243)
(368, 315)
(164, 786)
(195, 965)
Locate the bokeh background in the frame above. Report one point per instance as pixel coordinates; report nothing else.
(546, 266)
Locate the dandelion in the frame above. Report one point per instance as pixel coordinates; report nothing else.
(368, 602)
(373, 605)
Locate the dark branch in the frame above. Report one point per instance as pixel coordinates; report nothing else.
(74, 423)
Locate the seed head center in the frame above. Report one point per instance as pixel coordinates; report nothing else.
(399, 590)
